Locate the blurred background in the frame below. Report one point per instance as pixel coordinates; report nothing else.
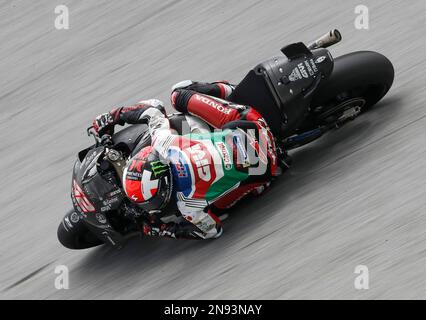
(355, 197)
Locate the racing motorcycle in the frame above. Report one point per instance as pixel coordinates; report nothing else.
(302, 94)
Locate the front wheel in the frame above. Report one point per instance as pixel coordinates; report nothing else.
(359, 80)
(73, 234)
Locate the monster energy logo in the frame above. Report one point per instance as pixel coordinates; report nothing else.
(158, 167)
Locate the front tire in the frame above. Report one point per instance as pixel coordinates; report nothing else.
(73, 234)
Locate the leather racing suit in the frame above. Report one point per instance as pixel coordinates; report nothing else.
(211, 171)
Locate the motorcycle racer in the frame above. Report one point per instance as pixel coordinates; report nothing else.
(203, 173)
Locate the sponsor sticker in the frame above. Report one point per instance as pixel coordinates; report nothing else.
(295, 75)
(302, 70)
(67, 221)
(101, 218)
(308, 67)
(158, 167)
(201, 161)
(320, 59)
(225, 155)
(181, 170)
(110, 201)
(313, 65)
(114, 193)
(74, 217)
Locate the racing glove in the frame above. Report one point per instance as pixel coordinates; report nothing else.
(104, 124)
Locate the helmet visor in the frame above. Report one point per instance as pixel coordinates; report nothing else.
(162, 196)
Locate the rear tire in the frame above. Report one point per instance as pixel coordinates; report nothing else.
(366, 72)
(363, 76)
(75, 235)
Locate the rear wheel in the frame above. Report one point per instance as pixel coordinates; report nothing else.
(73, 234)
(358, 81)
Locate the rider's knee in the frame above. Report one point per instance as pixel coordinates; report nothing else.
(180, 99)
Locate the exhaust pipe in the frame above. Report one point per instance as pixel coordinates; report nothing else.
(326, 40)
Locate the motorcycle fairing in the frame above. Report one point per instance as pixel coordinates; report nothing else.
(280, 88)
(104, 195)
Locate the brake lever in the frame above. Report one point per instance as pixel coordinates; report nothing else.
(105, 140)
(92, 132)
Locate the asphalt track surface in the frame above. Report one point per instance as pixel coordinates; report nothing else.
(355, 197)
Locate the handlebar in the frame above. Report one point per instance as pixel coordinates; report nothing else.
(104, 140)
